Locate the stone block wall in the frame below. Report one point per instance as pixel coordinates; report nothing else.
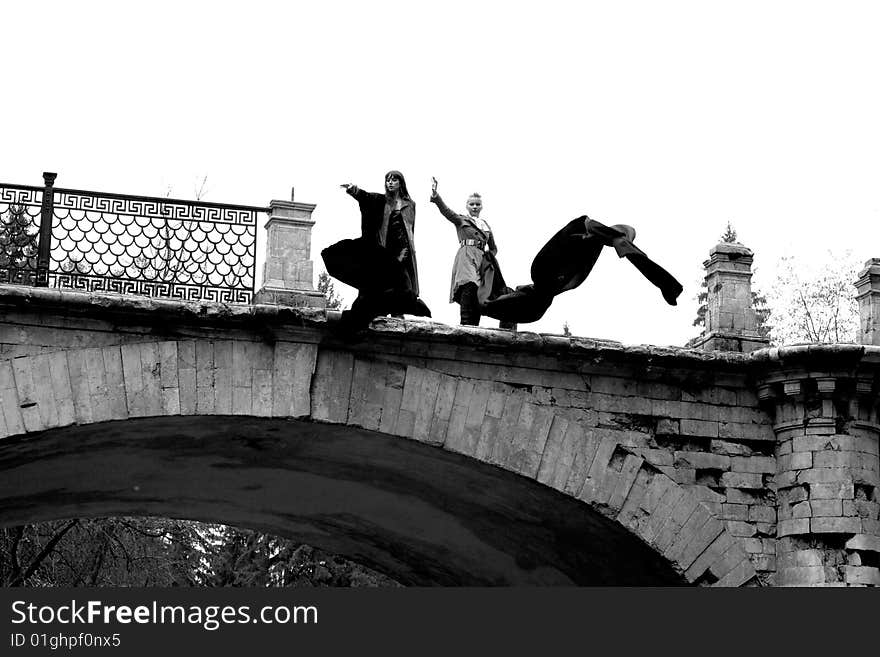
(690, 416)
(737, 467)
(828, 468)
(591, 436)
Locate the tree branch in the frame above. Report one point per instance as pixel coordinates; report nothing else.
(45, 552)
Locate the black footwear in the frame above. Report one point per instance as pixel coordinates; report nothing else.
(671, 295)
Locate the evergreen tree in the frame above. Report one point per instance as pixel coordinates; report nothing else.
(18, 246)
(325, 287)
(729, 236)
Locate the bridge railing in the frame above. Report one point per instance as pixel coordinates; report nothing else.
(152, 246)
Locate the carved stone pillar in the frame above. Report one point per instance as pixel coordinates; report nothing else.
(731, 322)
(868, 296)
(824, 401)
(288, 271)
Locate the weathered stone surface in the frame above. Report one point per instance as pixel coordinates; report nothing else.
(800, 558)
(624, 482)
(709, 556)
(702, 460)
(862, 575)
(742, 480)
(758, 464)
(836, 490)
(864, 542)
(835, 525)
(802, 576)
(630, 511)
(831, 508)
(739, 575)
(793, 526)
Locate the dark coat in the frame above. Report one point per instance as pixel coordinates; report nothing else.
(375, 212)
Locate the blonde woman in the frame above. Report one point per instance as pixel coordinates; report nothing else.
(476, 276)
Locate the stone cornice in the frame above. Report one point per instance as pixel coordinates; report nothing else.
(818, 356)
(313, 324)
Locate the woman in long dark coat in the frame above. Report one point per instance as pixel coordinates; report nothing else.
(381, 264)
(476, 276)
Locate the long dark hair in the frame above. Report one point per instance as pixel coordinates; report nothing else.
(403, 192)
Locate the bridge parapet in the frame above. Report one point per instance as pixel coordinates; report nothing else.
(152, 246)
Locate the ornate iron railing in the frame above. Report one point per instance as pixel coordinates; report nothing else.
(159, 247)
(20, 210)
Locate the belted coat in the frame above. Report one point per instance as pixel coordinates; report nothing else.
(475, 259)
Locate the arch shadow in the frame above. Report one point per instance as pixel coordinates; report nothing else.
(420, 514)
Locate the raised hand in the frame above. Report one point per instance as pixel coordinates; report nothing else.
(433, 187)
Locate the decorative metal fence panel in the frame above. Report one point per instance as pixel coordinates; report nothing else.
(150, 246)
(19, 233)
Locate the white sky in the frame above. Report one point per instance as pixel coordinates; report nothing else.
(674, 117)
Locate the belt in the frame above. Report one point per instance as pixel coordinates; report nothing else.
(477, 243)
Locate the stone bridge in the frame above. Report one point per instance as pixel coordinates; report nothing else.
(445, 455)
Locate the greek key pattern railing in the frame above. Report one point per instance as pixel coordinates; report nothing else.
(159, 247)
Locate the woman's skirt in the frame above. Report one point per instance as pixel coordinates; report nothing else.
(383, 282)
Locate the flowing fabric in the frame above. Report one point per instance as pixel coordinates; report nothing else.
(383, 283)
(566, 260)
(363, 264)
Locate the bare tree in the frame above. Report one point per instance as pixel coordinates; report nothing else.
(814, 300)
(170, 256)
(166, 552)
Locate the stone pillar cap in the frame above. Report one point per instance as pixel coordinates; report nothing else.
(292, 205)
(732, 252)
(731, 248)
(868, 278)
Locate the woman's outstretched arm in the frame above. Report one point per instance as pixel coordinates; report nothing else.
(444, 209)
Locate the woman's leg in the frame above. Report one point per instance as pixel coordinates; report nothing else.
(470, 304)
(402, 295)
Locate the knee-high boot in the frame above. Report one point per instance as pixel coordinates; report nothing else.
(470, 305)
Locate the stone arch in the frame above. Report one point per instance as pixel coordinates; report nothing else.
(508, 425)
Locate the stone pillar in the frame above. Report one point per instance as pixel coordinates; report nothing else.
(824, 402)
(288, 271)
(868, 296)
(731, 322)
